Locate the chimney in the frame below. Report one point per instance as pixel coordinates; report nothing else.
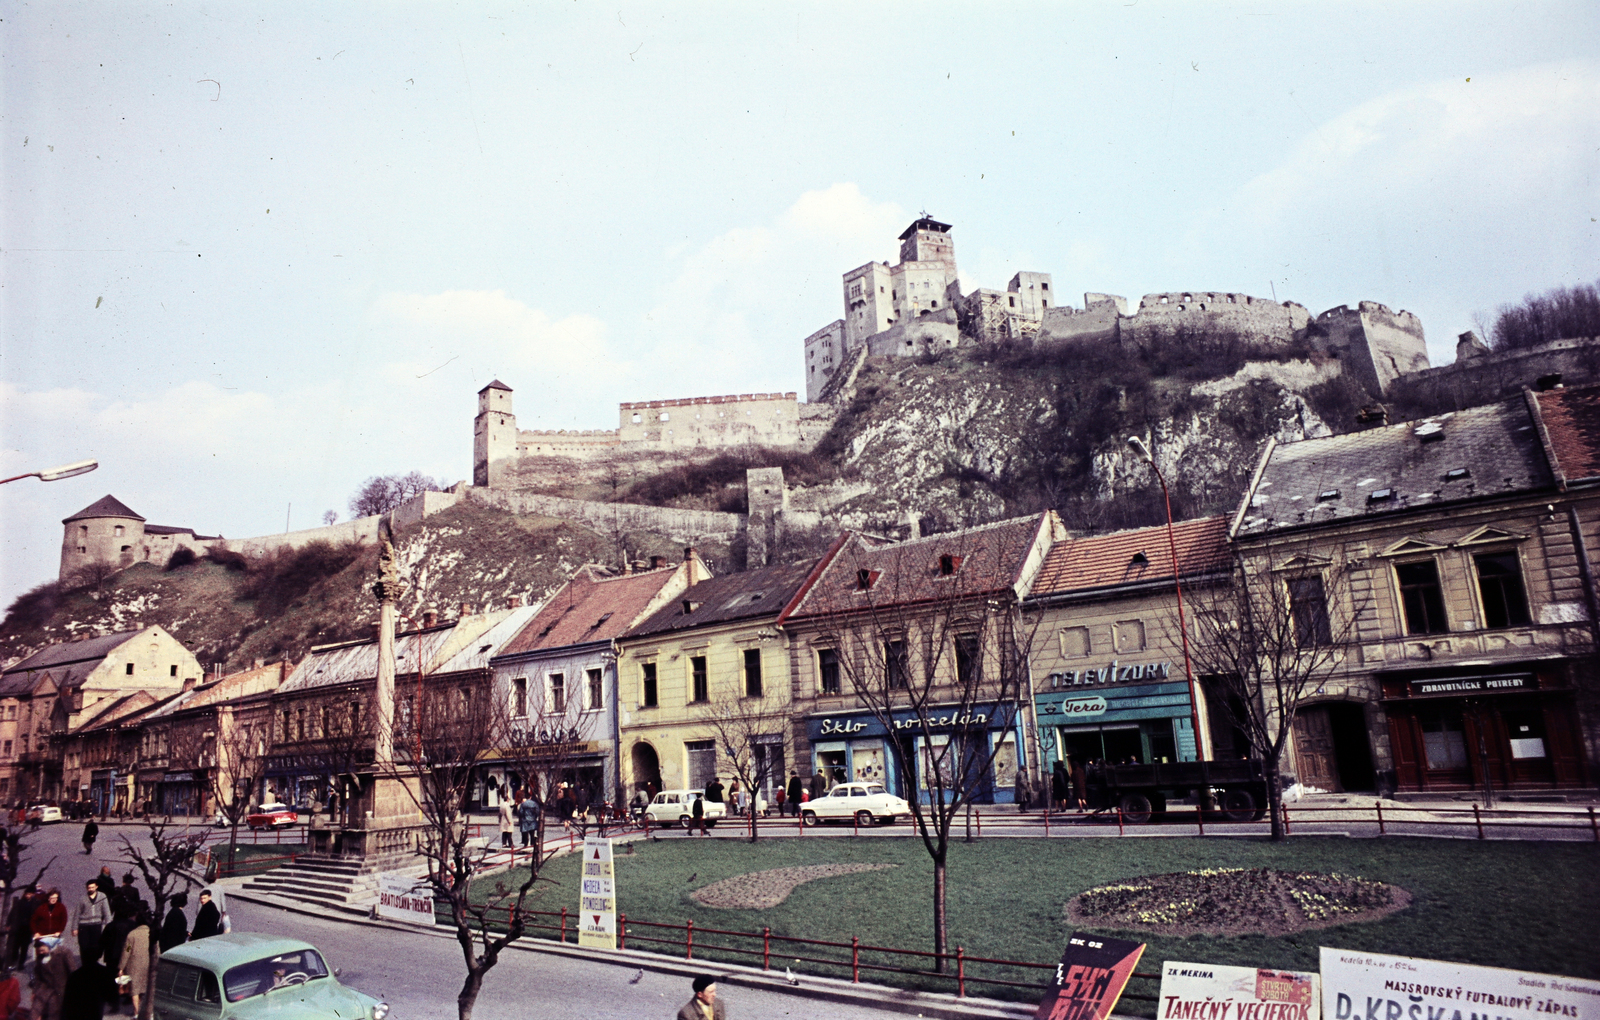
(376, 627)
(467, 608)
(657, 562)
(188, 684)
(1373, 417)
(688, 553)
(513, 601)
(257, 663)
(430, 618)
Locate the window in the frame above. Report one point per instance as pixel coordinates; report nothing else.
(129, 670)
(355, 716)
(1443, 741)
(896, 665)
(519, 697)
(1505, 604)
(7, 751)
(969, 666)
(752, 672)
(1075, 642)
(597, 690)
(638, 418)
(173, 671)
(558, 693)
(1308, 605)
(948, 565)
(117, 531)
(700, 688)
(828, 670)
(1422, 598)
(1129, 635)
(300, 724)
(650, 700)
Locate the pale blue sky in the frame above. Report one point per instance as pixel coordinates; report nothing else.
(254, 254)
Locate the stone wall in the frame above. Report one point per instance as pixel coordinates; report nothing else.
(1097, 320)
(685, 526)
(825, 352)
(1493, 376)
(1261, 318)
(745, 419)
(566, 442)
(1375, 345)
(923, 334)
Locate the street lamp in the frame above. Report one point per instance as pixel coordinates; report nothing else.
(55, 474)
(1183, 630)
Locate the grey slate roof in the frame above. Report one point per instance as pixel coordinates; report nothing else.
(1418, 464)
(67, 663)
(106, 506)
(747, 595)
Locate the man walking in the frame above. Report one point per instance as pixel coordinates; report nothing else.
(795, 791)
(89, 920)
(819, 784)
(528, 812)
(705, 1005)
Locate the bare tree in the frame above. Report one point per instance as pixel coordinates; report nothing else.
(749, 733)
(941, 674)
(239, 756)
(382, 493)
(1267, 640)
(167, 868)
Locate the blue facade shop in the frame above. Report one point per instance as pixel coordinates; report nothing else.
(857, 747)
(1116, 713)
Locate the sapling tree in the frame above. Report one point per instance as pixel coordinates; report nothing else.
(167, 868)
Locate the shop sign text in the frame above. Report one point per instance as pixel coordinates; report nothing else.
(1112, 674)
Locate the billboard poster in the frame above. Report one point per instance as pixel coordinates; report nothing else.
(404, 898)
(1090, 978)
(597, 896)
(1371, 986)
(1205, 991)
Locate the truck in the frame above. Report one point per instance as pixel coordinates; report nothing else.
(1235, 790)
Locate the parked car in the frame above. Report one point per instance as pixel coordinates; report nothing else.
(678, 806)
(866, 803)
(272, 816)
(247, 975)
(45, 813)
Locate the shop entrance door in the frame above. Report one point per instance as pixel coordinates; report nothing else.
(646, 769)
(1314, 761)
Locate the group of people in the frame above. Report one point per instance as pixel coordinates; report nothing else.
(1066, 790)
(112, 927)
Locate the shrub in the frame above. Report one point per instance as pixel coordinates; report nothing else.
(1558, 314)
(182, 557)
(34, 607)
(280, 577)
(228, 558)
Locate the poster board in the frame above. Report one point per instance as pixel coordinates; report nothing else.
(1090, 978)
(597, 896)
(402, 897)
(1205, 991)
(1357, 985)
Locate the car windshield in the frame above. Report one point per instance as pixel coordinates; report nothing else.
(260, 976)
(274, 807)
(873, 791)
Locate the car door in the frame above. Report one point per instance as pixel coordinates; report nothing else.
(186, 993)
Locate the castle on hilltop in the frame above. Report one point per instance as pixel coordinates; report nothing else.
(916, 308)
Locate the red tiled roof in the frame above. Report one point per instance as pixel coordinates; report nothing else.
(1106, 561)
(983, 560)
(1572, 417)
(590, 608)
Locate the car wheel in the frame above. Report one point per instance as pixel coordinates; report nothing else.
(864, 818)
(1238, 805)
(1135, 808)
(684, 820)
(808, 818)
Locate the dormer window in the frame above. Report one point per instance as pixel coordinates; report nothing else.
(1457, 474)
(1139, 560)
(1429, 432)
(865, 578)
(1327, 495)
(948, 565)
(1380, 495)
(689, 606)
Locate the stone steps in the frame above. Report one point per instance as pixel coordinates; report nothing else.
(346, 886)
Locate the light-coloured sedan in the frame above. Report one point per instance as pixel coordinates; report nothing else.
(678, 806)
(865, 803)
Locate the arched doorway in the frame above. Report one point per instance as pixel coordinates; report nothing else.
(1331, 748)
(646, 768)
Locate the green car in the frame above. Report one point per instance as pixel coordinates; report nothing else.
(243, 974)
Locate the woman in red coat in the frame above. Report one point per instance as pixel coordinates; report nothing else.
(50, 920)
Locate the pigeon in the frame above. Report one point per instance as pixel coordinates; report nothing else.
(692, 877)
(789, 974)
(637, 976)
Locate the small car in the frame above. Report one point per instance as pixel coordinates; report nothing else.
(272, 816)
(678, 806)
(45, 813)
(247, 975)
(866, 803)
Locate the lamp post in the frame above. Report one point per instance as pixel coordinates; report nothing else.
(1183, 630)
(55, 474)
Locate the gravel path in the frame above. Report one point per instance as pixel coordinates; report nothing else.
(759, 890)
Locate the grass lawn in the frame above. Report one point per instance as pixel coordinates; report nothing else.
(1530, 906)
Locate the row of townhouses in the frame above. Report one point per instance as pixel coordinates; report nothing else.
(1458, 548)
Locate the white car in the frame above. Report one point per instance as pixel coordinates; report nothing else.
(45, 813)
(866, 803)
(678, 806)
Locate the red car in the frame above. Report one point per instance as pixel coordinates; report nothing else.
(272, 816)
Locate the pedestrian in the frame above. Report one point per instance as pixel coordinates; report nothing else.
(10, 995)
(87, 990)
(175, 930)
(795, 790)
(736, 796)
(581, 807)
(89, 920)
(52, 965)
(127, 900)
(207, 920)
(1060, 784)
(713, 791)
(107, 884)
(19, 926)
(507, 823)
(49, 921)
(1019, 790)
(819, 784)
(135, 964)
(91, 831)
(705, 1005)
(1080, 785)
(528, 813)
(641, 801)
(697, 816)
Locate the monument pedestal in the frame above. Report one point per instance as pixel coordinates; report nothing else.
(383, 828)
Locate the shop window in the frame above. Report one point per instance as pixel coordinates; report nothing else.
(1443, 741)
(1422, 598)
(597, 690)
(1525, 727)
(1308, 606)
(1129, 635)
(650, 692)
(702, 762)
(700, 687)
(828, 670)
(1075, 642)
(896, 665)
(752, 672)
(558, 693)
(519, 697)
(968, 659)
(769, 764)
(1505, 603)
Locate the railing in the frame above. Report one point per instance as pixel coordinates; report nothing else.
(250, 865)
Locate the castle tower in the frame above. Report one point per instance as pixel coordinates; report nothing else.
(105, 531)
(928, 240)
(494, 435)
(921, 282)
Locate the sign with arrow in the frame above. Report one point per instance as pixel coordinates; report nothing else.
(597, 896)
